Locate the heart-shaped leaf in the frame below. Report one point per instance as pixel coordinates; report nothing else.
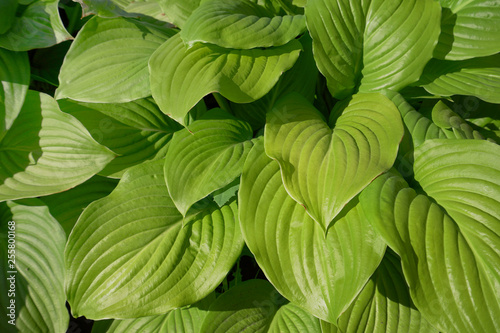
(322, 274)
(135, 247)
(38, 26)
(478, 77)
(108, 61)
(31, 246)
(180, 77)
(355, 46)
(241, 25)
(47, 151)
(448, 251)
(15, 79)
(255, 306)
(323, 169)
(469, 28)
(138, 131)
(384, 305)
(206, 156)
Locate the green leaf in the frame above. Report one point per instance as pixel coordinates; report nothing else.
(322, 274)
(384, 305)
(135, 247)
(478, 77)
(67, 206)
(39, 26)
(323, 169)
(301, 78)
(36, 241)
(241, 25)
(182, 320)
(452, 123)
(205, 157)
(356, 47)
(8, 10)
(255, 306)
(180, 77)
(469, 28)
(47, 151)
(138, 131)
(178, 11)
(448, 249)
(15, 79)
(108, 61)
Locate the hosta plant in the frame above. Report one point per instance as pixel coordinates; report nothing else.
(250, 166)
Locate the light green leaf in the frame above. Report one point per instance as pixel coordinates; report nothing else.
(469, 28)
(478, 77)
(15, 79)
(301, 78)
(108, 61)
(36, 244)
(177, 11)
(135, 247)
(67, 206)
(383, 306)
(255, 306)
(449, 250)
(206, 156)
(8, 10)
(241, 25)
(182, 320)
(47, 151)
(138, 131)
(356, 47)
(322, 274)
(124, 8)
(452, 124)
(180, 77)
(39, 26)
(323, 169)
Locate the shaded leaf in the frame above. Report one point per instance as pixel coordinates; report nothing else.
(47, 151)
(108, 61)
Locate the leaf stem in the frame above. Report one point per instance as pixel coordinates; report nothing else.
(223, 104)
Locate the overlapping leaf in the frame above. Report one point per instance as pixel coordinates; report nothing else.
(38, 26)
(255, 306)
(47, 151)
(67, 206)
(108, 61)
(8, 9)
(478, 77)
(206, 156)
(384, 305)
(324, 169)
(321, 274)
(178, 11)
(138, 131)
(37, 268)
(15, 78)
(355, 44)
(301, 78)
(180, 77)
(182, 320)
(449, 251)
(469, 28)
(133, 248)
(240, 24)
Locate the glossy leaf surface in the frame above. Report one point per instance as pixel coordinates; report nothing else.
(135, 247)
